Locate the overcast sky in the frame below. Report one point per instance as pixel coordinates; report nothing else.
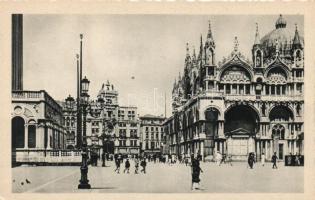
(150, 48)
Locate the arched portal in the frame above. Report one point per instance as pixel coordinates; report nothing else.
(18, 132)
(241, 117)
(240, 128)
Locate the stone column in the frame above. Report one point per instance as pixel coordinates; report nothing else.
(40, 132)
(49, 133)
(224, 88)
(26, 136)
(202, 149)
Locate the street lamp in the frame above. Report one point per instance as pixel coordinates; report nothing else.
(84, 182)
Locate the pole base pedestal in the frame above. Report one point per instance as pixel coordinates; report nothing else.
(84, 186)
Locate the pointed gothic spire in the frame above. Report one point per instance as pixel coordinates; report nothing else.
(210, 40)
(296, 40)
(209, 30)
(194, 54)
(257, 37)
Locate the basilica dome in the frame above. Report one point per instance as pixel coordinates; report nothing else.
(281, 36)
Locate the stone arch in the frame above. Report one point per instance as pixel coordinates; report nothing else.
(280, 113)
(277, 75)
(241, 118)
(18, 132)
(213, 107)
(280, 67)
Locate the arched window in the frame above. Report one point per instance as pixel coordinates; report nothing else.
(18, 133)
(31, 136)
(278, 132)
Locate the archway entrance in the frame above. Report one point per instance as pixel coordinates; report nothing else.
(240, 128)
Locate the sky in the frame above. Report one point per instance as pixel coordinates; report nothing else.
(140, 55)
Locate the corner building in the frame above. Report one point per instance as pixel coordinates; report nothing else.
(240, 105)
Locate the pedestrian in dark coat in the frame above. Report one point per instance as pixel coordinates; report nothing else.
(117, 162)
(143, 165)
(127, 166)
(195, 173)
(274, 160)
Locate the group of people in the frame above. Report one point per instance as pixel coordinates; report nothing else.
(119, 160)
(252, 159)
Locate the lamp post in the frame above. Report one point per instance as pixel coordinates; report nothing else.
(84, 182)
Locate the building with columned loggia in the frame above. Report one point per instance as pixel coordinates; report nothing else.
(239, 105)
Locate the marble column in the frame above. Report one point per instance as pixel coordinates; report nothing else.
(40, 132)
(26, 136)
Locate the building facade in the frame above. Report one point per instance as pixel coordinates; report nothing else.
(151, 134)
(119, 124)
(239, 105)
(37, 126)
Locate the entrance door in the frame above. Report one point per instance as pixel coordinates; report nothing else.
(280, 151)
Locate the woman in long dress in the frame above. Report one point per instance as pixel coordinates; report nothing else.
(195, 172)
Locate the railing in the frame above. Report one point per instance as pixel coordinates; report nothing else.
(27, 95)
(264, 97)
(36, 95)
(47, 156)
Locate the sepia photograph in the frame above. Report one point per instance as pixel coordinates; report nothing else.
(157, 103)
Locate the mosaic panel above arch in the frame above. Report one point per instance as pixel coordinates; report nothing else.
(235, 74)
(276, 76)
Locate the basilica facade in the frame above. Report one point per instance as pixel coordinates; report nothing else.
(240, 105)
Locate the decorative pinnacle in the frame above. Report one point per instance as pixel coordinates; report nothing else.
(236, 44)
(257, 38)
(77, 56)
(187, 49)
(81, 36)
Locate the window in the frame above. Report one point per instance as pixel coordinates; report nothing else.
(157, 136)
(152, 145)
(31, 136)
(278, 132)
(146, 128)
(152, 129)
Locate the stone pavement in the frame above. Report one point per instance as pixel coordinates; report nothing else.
(160, 177)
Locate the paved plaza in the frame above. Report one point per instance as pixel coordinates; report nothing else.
(160, 178)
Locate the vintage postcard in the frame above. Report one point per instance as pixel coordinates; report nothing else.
(190, 101)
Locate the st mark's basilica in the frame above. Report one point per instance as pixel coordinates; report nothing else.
(239, 105)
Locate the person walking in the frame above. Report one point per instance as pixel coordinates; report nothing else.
(117, 161)
(136, 165)
(127, 166)
(263, 158)
(143, 165)
(195, 174)
(274, 160)
(251, 160)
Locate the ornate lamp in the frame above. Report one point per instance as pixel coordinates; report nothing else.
(85, 85)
